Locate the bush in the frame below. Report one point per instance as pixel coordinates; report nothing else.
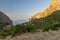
(1, 26)
(27, 27)
(4, 33)
(51, 27)
(30, 27)
(17, 29)
(57, 25)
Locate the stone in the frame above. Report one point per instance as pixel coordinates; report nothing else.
(5, 19)
(55, 5)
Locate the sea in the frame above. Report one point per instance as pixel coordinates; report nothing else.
(19, 21)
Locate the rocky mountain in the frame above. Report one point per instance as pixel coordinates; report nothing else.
(4, 19)
(55, 5)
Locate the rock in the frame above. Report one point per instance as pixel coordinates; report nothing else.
(55, 5)
(5, 19)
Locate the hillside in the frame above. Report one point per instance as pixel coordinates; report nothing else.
(55, 5)
(54, 18)
(47, 28)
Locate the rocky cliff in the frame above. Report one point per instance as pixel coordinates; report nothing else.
(55, 5)
(4, 18)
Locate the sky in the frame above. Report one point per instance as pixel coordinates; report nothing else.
(23, 9)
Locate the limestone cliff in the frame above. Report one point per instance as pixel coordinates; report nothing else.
(55, 5)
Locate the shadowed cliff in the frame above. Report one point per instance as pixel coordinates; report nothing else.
(5, 19)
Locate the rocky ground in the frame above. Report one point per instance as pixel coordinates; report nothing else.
(51, 35)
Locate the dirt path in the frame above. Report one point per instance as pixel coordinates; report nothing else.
(51, 35)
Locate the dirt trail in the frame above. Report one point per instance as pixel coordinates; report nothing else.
(51, 35)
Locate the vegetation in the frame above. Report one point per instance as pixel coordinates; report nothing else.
(51, 22)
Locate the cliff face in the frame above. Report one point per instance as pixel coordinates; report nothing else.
(4, 18)
(55, 5)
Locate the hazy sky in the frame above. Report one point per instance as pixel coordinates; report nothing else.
(23, 9)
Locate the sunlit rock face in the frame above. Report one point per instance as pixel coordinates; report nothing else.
(55, 5)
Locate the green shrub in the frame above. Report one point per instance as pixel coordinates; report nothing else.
(30, 27)
(51, 27)
(1, 26)
(17, 29)
(4, 33)
(57, 25)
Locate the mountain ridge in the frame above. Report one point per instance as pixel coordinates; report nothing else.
(55, 5)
